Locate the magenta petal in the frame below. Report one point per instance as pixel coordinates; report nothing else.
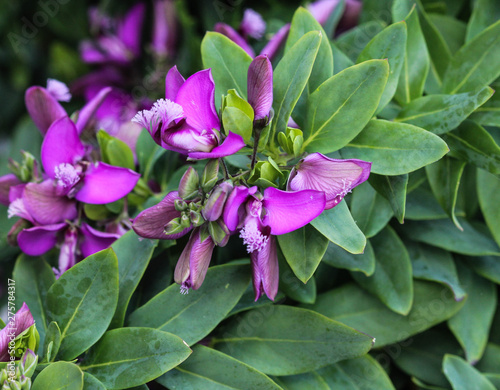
(130, 28)
(45, 206)
(334, 177)
(61, 145)
(95, 240)
(43, 108)
(199, 260)
(322, 9)
(105, 183)
(67, 252)
(252, 24)
(233, 35)
(37, 240)
(233, 211)
(196, 96)
(260, 86)
(151, 222)
(275, 42)
(289, 211)
(22, 320)
(265, 270)
(91, 54)
(6, 182)
(232, 144)
(173, 82)
(164, 28)
(90, 108)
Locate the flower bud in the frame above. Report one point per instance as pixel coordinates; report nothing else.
(210, 174)
(215, 203)
(180, 205)
(260, 88)
(219, 232)
(29, 362)
(174, 227)
(196, 218)
(188, 186)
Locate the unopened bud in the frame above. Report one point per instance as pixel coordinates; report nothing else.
(215, 203)
(173, 227)
(189, 184)
(180, 205)
(196, 218)
(210, 175)
(219, 232)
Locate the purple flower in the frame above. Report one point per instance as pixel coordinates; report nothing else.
(119, 41)
(260, 86)
(260, 217)
(164, 28)
(75, 242)
(335, 178)
(252, 24)
(6, 182)
(151, 222)
(63, 159)
(186, 121)
(43, 106)
(322, 9)
(193, 263)
(22, 321)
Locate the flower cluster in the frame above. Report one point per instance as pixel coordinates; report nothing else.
(249, 202)
(51, 201)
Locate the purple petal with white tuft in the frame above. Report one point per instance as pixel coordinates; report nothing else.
(59, 90)
(117, 181)
(234, 211)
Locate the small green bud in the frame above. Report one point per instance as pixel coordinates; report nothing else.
(219, 232)
(189, 184)
(173, 227)
(196, 218)
(210, 174)
(180, 205)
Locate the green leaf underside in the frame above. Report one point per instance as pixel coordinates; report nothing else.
(59, 376)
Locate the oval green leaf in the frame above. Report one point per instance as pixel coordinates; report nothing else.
(82, 302)
(59, 376)
(463, 376)
(128, 357)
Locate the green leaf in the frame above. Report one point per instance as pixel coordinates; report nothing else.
(490, 362)
(90, 382)
(439, 52)
(471, 325)
(303, 250)
(389, 44)
(33, 278)
(486, 266)
(444, 178)
(115, 151)
(416, 63)
(290, 78)
(133, 255)
(484, 14)
(238, 122)
(353, 41)
(395, 148)
(435, 265)
(421, 355)
(422, 205)
(370, 210)
(341, 107)
(148, 152)
(392, 280)
(59, 376)
(229, 64)
(476, 64)
(270, 337)
(292, 286)
(463, 376)
(442, 113)
(363, 373)
(209, 369)
(488, 188)
(130, 357)
(489, 113)
(82, 302)
(340, 60)
(302, 23)
(432, 304)
(392, 188)
(339, 227)
(451, 29)
(179, 314)
(472, 143)
(52, 342)
(444, 234)
(337, 257)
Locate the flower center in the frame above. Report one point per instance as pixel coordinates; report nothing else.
(67, 175)
(252, 236)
